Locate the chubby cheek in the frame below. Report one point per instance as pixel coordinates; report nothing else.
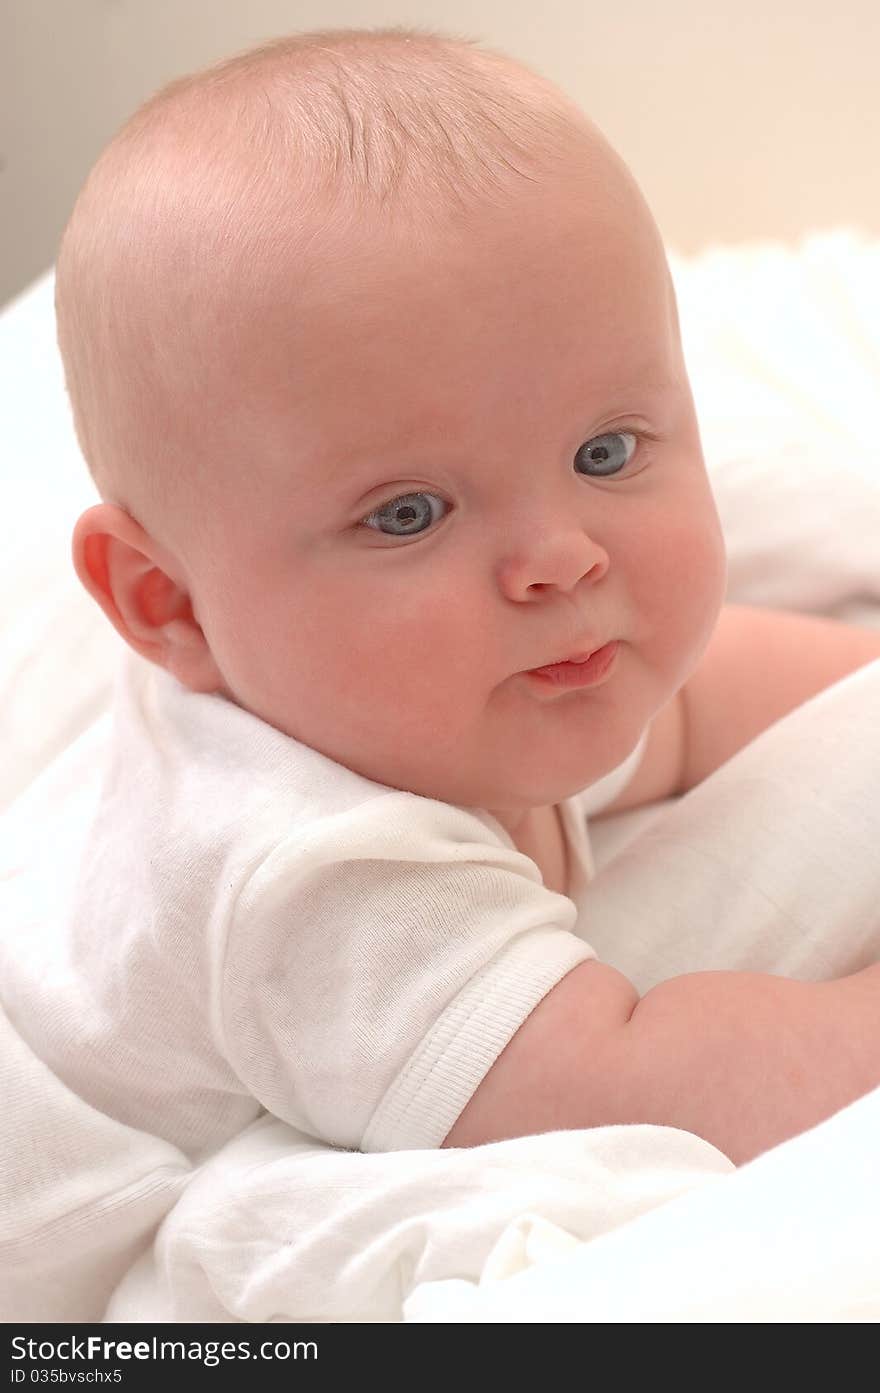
(390, 664)
(681, 592)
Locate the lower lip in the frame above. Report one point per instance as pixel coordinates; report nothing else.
(587, 674)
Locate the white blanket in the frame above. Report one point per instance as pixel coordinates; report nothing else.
(628, 1224)
(624, 1224)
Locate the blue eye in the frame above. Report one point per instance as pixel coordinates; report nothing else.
(604, 455)
(407, 515)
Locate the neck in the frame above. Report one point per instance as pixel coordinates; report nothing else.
(516, 823)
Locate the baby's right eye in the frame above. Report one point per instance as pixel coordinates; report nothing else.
(411, 513)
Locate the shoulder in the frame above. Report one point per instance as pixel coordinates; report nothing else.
(378, 960)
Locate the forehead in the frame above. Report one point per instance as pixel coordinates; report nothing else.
(552, 286)
(507, 321)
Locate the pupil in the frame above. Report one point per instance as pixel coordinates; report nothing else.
(598, 452)
(406, 514)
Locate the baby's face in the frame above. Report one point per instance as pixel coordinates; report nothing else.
(467, 464)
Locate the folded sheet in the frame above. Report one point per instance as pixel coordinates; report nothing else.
(792, 1237)
(276, 1228)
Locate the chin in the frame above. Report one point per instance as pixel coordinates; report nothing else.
(542, 792)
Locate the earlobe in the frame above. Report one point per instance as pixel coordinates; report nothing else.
(137, 585)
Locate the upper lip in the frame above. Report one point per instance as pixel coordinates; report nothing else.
(576, 655)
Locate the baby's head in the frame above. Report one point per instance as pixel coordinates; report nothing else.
(374, 356)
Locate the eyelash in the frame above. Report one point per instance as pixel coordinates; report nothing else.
(642, 437)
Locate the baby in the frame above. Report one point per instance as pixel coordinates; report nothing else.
(374, 356)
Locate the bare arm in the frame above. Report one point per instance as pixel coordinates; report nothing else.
(745, 1060)
(759, 665)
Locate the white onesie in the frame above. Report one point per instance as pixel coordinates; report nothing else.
(223, 921)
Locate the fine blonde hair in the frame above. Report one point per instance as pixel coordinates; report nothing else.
(239, 167)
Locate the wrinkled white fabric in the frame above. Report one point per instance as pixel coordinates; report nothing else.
(275, 1229)
(792, 1237)
(247, 925)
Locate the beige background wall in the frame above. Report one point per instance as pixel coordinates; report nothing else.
(741, 119)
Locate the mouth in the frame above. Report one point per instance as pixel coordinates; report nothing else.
(584, 669)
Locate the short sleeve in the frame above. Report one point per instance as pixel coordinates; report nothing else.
(377, 965)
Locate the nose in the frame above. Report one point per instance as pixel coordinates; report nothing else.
(553, 557)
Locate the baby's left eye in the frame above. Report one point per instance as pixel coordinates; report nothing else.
(605, 455)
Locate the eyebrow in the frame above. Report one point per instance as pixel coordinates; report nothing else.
(343, 469)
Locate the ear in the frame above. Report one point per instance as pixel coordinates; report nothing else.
(142, 592)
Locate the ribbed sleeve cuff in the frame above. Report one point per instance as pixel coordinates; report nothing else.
(428, 1096)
